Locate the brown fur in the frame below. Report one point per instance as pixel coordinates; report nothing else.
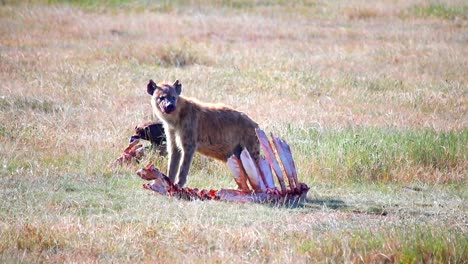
(214, 130)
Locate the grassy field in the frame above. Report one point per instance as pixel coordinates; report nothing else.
(371, 95)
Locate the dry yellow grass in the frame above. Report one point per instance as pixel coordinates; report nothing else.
(367, 93)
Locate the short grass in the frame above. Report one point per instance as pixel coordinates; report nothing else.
(371, 96)
(439, 10)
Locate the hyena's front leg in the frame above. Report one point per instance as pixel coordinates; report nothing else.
(174, 157)
(187, 154)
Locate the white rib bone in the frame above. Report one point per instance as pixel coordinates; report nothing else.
(252, 172)
(238, 173)
(270, 156)
(285, 160)
(287, 151)
(265, 172)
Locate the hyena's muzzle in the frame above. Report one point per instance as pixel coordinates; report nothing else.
(167, 104)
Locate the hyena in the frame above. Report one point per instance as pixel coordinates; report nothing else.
(214, 130)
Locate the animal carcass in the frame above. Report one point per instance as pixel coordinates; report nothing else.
(255, 181)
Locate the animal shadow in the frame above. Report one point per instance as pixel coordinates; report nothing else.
(315, 204)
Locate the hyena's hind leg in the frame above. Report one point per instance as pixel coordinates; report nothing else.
(237, 151)
(254, 152)
(253, 146)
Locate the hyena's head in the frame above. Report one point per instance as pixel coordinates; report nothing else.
(164, 96)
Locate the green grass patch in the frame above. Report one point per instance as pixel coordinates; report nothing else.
(168, 5)
(437, 10)
(378, 154)
(140, 5)
(413, 244)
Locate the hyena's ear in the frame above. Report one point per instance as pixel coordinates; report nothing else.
(151, 87)
(178, 87)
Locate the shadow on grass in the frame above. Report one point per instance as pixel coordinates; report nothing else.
(338, 205)
(314, 204)
(330, 203)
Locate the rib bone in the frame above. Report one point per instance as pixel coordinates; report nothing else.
(270, 156)
(252, 172)
(288, 153)
(286, 159)
(265, 172)
(238, 173)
